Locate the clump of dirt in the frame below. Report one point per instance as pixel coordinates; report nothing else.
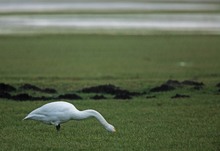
(167, 86)
(35, 88)
(193, 83)
(5, 95)
(6, 88)
(196, 85)
(178, 96)
(98, 97)
(27, 97)
(29, 87)
(71, 96)
(122, 96)
(162, 88)
(173, 84)
(23, 97)
(9, 92)
(218, 85)
(108, 89)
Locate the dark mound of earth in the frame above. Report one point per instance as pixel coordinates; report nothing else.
(9, 92)
(177, 96)
(71, 96)
(35, 88)
(27, 97)
(5, 95)
(98, 97)
(173, 84)
(162, 88)
(22, 97)
(122, 96)
(196, 85)
(29, 87)
(193, 83)
(6, 88)
(108, 89)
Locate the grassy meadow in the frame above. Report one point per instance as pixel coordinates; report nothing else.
(136, 63)
(106, 57)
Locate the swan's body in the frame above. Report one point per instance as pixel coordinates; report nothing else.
(56, 113)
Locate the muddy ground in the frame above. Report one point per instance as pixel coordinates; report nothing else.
(99, 92)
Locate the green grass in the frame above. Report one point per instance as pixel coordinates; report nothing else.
(141, 125)
(70, 62)
(95, 56)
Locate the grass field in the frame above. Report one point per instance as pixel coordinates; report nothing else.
(137, 63)
(109, 57)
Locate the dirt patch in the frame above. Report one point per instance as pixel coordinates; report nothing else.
(108, 89)
(71, 96)
(167, 86)
(98, 97)
(27, 97)
(9, 92)
(196, 85)
(178, 96)
(162, 88)
(6, 88)
(22, 97)
(122, 96)
(35, 88)
(173, 84)
(5, 95)
(193, 83)
(29, 87)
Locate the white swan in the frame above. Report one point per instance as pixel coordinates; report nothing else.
(56, 113)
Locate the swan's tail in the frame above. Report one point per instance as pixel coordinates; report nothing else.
(25, 118)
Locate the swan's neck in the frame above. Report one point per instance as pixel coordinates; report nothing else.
(92, 113)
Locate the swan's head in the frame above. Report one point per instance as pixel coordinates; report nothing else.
(110, 128)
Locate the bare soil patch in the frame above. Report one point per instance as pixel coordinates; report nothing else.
(99, 92)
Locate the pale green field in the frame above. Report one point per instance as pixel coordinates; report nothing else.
(103, 56)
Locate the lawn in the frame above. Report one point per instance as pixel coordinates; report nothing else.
(136, 63)
(105, 56)
(157, 124)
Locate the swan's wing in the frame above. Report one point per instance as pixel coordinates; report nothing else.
(56, 107)
(50, 113)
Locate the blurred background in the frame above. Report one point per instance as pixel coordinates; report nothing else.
(110, 17)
